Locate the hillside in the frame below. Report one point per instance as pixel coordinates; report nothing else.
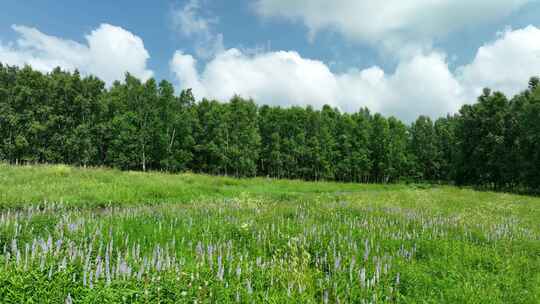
(111, 236)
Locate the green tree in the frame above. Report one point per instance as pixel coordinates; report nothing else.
(398, 157)
(424, 149)
(481, 132)
(211, 138)
(446, 147)
(379, 147)
(243, 139)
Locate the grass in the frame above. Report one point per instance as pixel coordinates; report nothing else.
(80, 187)
(100, 235)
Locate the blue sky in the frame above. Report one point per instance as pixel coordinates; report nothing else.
(241, 27)
(347, 54)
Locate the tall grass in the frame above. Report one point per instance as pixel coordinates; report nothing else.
(159, 238)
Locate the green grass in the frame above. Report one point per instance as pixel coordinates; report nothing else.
(224, 240)
(78, 187)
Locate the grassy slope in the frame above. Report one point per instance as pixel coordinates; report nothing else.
(23, 185)
(98, 187)
(460, 265)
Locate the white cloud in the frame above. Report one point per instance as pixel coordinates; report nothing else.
(282, 78)
(184, 67)
(110, 52)
(391, 23)
(421, 84)
(113, 51)
(505, 64)
(190, 22)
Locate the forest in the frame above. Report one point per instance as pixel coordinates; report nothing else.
(63, 117)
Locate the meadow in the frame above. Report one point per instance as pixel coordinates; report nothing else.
(75, 235)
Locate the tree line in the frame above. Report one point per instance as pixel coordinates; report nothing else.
(63, 117)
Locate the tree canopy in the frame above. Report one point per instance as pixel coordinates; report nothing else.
(63, 117)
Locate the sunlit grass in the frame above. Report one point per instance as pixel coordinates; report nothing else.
(99, 235)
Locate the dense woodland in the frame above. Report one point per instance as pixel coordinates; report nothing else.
(62, 117)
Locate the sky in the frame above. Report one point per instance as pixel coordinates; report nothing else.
(400, 58)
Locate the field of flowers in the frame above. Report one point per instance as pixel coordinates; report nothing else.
(309, 243)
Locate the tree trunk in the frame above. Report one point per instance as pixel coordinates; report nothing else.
(143, 160)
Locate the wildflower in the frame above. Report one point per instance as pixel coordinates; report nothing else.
(68, 299)
(362, 277)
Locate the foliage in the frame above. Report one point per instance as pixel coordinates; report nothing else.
(62, 117)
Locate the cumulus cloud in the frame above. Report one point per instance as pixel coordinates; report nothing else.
(421, 84)
(109, 52)
(504, 64)
(190, 22)
(282, 78)
(390, 23)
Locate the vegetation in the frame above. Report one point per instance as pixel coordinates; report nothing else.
(21, 186)
(62, 117)
(85, 234)
(198, 239)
